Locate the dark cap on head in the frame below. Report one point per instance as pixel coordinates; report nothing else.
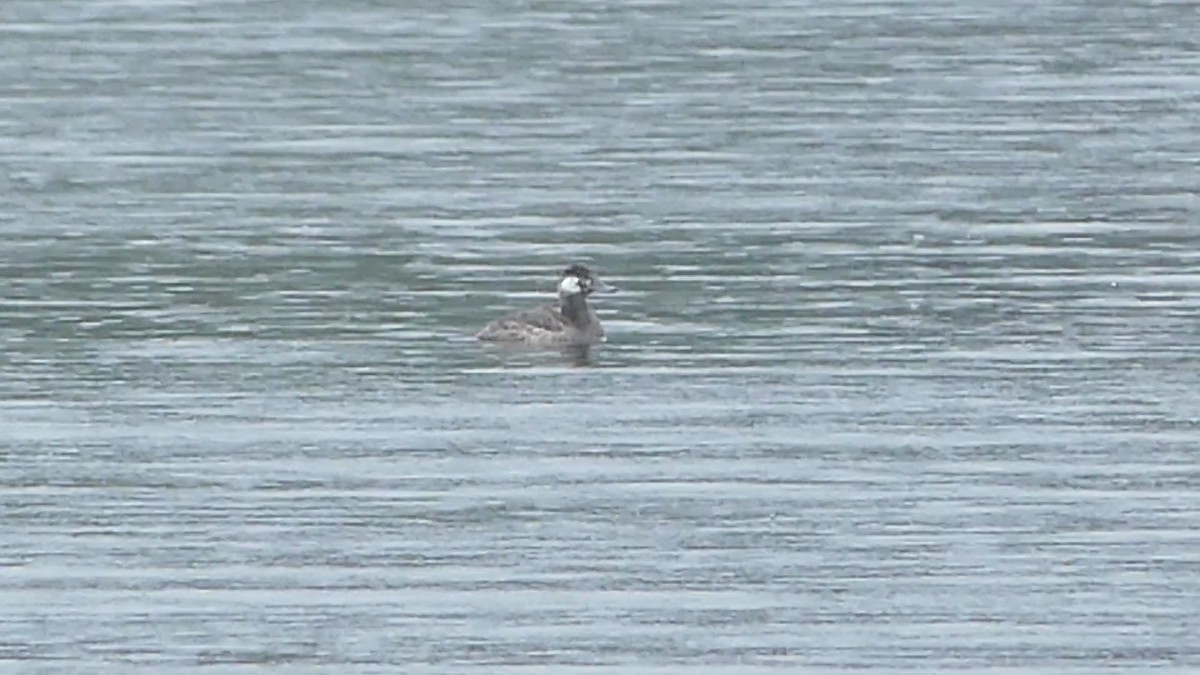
(577, 270)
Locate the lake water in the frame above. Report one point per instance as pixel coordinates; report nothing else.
(904, 376)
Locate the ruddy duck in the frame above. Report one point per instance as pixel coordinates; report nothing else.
(569, 322)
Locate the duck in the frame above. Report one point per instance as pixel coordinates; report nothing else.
(570, 322)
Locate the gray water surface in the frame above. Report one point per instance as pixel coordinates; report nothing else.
(903, 376)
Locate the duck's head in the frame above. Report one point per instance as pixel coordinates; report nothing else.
(579, 280)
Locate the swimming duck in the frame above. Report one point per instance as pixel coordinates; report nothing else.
(568, 322)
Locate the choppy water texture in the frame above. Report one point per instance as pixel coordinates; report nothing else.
(903, 377)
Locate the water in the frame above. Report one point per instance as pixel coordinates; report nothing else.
(902, 377)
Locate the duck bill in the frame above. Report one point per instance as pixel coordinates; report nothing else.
(599, 286)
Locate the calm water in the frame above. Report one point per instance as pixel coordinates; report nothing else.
(904, 376)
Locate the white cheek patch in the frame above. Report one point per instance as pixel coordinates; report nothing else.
(569, 286)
